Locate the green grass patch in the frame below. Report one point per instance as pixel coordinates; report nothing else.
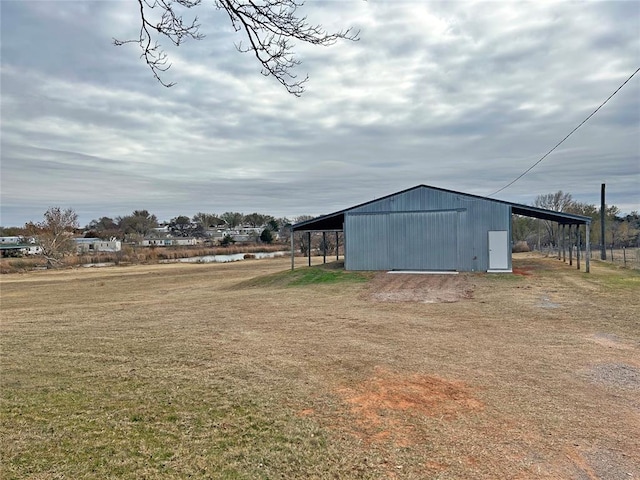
(501, 278)
(330, 273)
(613, 276)
(118, 427)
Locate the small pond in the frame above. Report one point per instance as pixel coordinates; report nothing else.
(235, 257)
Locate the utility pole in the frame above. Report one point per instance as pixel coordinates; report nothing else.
(603, 247)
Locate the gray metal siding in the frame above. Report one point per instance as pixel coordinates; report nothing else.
(366, 249)
(424, 229)
(417, 200)
(483, 216)
(423, 240)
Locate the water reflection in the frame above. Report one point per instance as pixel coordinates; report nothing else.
(235, 257)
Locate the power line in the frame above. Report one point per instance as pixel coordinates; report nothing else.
(562, 141)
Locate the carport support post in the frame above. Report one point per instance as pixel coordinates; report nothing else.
(337, 248)
(324, 247)
(564, 243)
(292, 247)
(587, 253)
(309, 246)
(578, 246)
(570, 245)
(558, 242)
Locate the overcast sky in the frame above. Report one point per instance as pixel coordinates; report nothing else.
(459, 95)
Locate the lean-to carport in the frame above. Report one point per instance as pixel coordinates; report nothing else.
(332, 223)
(563, 220)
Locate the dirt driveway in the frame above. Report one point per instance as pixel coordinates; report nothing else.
(188, 370)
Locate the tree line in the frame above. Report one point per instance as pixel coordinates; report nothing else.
(55, 232)
(620, 230)
(142, 223)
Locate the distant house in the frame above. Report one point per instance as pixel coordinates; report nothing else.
(169, 242)
(239, 234)
(31, 249)
(179, 241)
(11, 240)
(216, 234)
(161, 230)
(90, 245)
(12, 246)
(17, 249)
(156, 242)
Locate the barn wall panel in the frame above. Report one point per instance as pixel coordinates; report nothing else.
(424, 240)
(367, 245)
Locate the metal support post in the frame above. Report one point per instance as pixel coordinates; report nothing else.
(578, 247)
(292, 251)
(587, 253)
(324, 247)
(570, 245)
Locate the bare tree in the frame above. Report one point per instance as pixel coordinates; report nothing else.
(55, 234)
(270, 28)
(232, 219)
(104, 227)
(140, 223)
(303, 218)
(207, 220)
(257, 219)
(559, 202)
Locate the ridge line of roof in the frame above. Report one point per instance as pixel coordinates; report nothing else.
(422, 185)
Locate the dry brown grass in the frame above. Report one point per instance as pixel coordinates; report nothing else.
(179, 371)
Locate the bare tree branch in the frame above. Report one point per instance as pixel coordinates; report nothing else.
(171, 25)
(270, 26)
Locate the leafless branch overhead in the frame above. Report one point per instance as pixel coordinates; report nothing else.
(270, 27)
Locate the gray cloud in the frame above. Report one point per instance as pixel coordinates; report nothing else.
(461, 95)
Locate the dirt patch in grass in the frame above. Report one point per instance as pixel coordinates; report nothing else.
(404, 287)
(525, 272)
(376, 403)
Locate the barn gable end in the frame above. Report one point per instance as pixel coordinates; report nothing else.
(423, 229)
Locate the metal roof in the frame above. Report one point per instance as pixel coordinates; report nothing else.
(335, 220)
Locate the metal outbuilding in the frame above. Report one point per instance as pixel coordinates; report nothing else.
(430, 228)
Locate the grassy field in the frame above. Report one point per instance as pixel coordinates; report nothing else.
(247, 371)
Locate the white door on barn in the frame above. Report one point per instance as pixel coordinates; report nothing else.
(499, 250)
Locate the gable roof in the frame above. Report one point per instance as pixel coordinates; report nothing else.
(335, 220)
